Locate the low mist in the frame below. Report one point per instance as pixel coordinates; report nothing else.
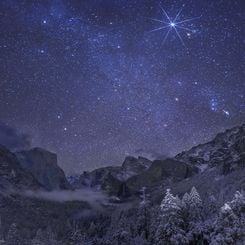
(92, 197)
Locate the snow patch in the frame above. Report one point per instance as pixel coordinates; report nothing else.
(203, 167)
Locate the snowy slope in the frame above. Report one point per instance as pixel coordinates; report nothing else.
(227, 149)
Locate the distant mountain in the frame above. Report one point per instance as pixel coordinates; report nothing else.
(42, 164)
(32, 169)
(221, 156)
(112, 179)
(162, 171)
(149, 154)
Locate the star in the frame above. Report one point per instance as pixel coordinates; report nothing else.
(227, 113)
(214, 105)
(174, 24)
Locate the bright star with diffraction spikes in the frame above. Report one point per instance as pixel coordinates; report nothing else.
(174, 24)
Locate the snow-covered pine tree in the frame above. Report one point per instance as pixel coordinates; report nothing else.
(193, 216)
(171, 229)
(224, 227)
(229, 227)
(195, 210)
(195, 199)
(238, 203)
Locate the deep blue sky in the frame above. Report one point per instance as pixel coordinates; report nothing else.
(91, 82)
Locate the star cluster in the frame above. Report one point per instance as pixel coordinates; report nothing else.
(91, 81)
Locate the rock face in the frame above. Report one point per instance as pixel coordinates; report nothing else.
(12, 175)
(136, 173)
(162, 170)
(227, 151)
(133, 166)
(43, 166)
(112, 179)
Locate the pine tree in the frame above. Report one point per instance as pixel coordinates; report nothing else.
(44, 237)
(238, 203)
(155, 218)
(193, 217)
(92, 230)
(76, 237)
(140, 240)
(144, 198)
(143, 216)
(39, 238)
(171, 228)
(229, 226)
(195, 199)
(119, 231)
(122, 235)
(212, 207)
(1, 232)
(13, 236)
(186, 199)
(51, 237)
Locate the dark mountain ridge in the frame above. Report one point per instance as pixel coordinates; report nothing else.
(224, 154)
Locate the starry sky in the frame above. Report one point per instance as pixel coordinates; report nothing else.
(97, 80)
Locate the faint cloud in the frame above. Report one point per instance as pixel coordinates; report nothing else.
(13, 139)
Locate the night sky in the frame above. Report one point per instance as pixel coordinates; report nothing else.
(96, 80)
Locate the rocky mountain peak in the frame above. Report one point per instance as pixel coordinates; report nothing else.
(135, 165)
(226, 149)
